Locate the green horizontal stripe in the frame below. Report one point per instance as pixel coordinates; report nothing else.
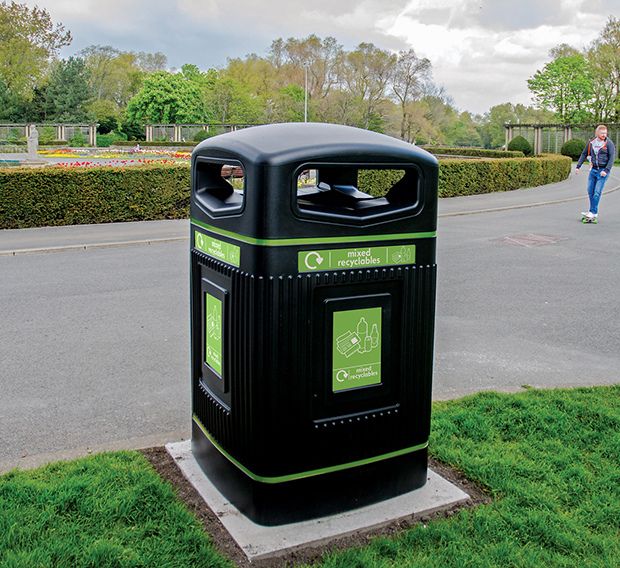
(312, 472)
(312, 240)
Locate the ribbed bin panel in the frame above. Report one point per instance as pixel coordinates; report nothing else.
(279, 420)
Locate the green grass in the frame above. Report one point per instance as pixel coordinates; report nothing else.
(109, 510)
(549, 458)
(551, 461)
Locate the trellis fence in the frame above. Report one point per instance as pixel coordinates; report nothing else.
(19, 132)
(186, 132)
(548, 138)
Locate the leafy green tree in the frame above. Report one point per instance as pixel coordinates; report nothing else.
(564, 85)
(114, 75)
(230, 101)
(462, 131)
(491, 126)
(340, 107)
(166, 98)
(106, 114)
(68, 93)
(29, 40)
(257, 74)
(287, 105)
(10, 105)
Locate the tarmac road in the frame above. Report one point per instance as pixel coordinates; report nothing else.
(94, 341)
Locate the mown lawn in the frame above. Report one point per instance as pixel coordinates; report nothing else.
(109, 510)
(549, 458)
(551, 461)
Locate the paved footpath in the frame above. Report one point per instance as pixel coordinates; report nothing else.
(94, 335)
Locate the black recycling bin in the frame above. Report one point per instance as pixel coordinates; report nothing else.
(312, 317)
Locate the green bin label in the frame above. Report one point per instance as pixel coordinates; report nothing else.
(356, 350)
(213, 333)
(348, 259)
(220, 250)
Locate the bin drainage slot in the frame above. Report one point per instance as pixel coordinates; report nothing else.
(220, 186)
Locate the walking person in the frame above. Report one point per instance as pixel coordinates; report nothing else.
(601, 153)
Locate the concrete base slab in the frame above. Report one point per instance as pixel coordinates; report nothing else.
(259, 542)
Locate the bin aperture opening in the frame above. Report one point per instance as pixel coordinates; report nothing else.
(220, 185)
(356, 191)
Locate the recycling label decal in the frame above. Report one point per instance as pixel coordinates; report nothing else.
(213, 333)
(220, 250)
(356, 349)
(347, 259)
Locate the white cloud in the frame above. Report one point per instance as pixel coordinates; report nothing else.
(480, 64)
(200, 9)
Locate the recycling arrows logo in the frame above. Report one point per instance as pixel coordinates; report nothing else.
(200, 241)
(341, 375)
(313, 260)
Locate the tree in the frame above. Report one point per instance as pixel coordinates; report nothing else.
(257, 74)
(604, 62)
(407, 84)
(462, 131)
(562, 50)
(321, 58)
(367, 71)
(166, 98)
(287, 105)
(151, 62)
(564, 85)
(419, 128)
(28, 41)
(114, 75)
(106, 114)
(230, 101)
(68, 93)
(491, 126)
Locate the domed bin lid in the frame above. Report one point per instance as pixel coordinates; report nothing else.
(300, 178)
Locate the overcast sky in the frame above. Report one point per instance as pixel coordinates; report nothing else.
(482, 51)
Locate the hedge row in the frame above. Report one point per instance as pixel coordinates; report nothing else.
(470, 177)
(35, 197)
(19, 147)
(474, 152)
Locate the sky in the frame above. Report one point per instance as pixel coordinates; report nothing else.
(482, 51)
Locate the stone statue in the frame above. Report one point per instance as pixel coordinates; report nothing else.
(33, 142)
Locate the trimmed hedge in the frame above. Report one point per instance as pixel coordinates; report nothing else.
(518, 143)
(37, 197)
(470, 177)
(573, 148)
(22, 147)
(378, 182)
(474, 152)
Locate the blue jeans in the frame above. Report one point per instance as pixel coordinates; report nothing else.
(596, 182)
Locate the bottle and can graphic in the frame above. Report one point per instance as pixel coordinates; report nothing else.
(358, 340)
